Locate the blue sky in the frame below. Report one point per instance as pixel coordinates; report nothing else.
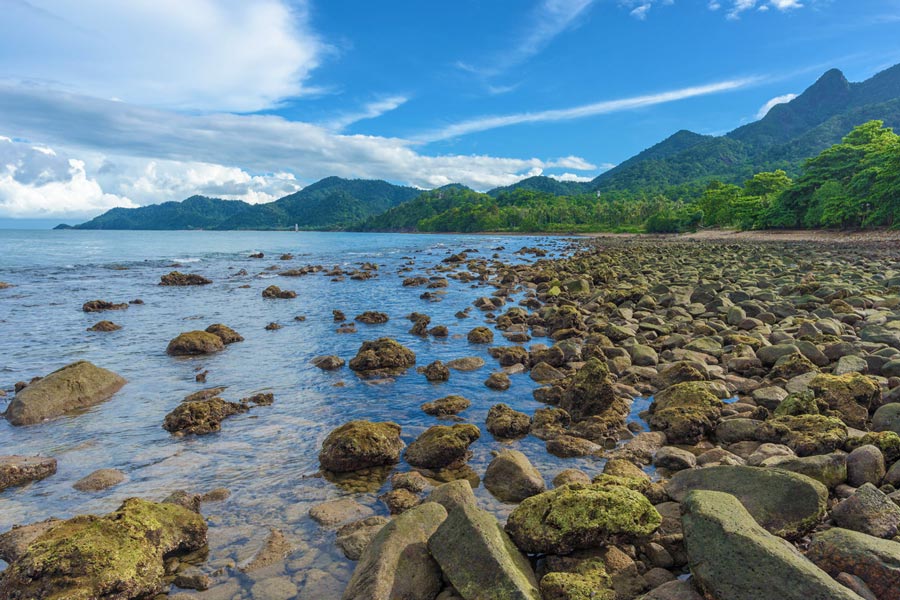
(127, 103)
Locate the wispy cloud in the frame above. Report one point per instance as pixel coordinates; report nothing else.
(586, 110)
(764, 110)
(639, 9)
(370, 110)
(739, 7)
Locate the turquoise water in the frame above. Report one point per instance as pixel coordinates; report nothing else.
(267, 456)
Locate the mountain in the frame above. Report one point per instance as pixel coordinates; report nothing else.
(541, 183)
(331, 203)
(783, 139)
(407, 216)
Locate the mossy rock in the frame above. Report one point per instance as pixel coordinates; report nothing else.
(225, 333)
(446, 406)
(505, 423)
(802, 403)
(792, 365)
(687, 412)
(886, 441)
(678, 372)
(590, 393)
(579, 516)
(480, 335)
(120, 555)
(383, 355)
(359, 445)
(202, 416)
(587, 581)
(851, 396)
(442, 447)
(176, 278)
(194, 343)
(804, 434)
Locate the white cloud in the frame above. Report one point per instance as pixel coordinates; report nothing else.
(764, 110)
(640, 11)
(742, 6)
(370, 110)
(713, 5)
(572, 177)
(195, 55)
(587, 110)
(786, 4)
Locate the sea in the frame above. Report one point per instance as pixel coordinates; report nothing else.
(267, 457)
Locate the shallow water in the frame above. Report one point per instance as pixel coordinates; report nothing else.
(264, 457)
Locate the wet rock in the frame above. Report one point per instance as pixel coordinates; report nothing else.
(75, 386)
(194, 343)
(868, 511)
(104, 326)
(335, 512)
(506, 423)
(865, 465)
(353, 538)
(453, 494)
(567, 446)
(590, 393)
(543, 373)
(873, 560)
(328, 363)
(436, 371)
(549, 423)
(686, 412)
(275, 292)
(19, 470)
(274, 550)
(372, 317)
(441, 446)
(674, 459)
(412, 481)
(732, 558)
(383, 355)
(497, 381)
(338, 316)
(396, 563)
(784, 503)
(99, 480)
(120, 555)
(579, 516)
(446, 406)
(480, 335)
(479, 559)
(225, 333)
(274, 588)
(469, 363)
(201, 417)
(176, 278)
(361, 444)
(400, 500)
(15, 542)
(567, 476)
(511, 477)
(100, 305)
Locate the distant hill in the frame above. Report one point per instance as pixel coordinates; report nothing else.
(331, 203)
(407, 216)
(541, 183)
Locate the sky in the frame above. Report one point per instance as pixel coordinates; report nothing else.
(106, 103)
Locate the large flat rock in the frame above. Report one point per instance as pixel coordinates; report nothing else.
(18, 470)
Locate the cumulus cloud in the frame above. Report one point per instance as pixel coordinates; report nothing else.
(198, 55)
(765, 108)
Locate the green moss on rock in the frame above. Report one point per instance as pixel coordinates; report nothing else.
(849, 396)
(383, 355)
(686, 412)
(804, 434)
(192, 343)
(442, 447)
(802, 403)
(359, 445)
(886, 441)
(587, 581)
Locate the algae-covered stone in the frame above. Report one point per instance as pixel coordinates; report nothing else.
(732, 558)
(479, 559)
(480, 335)
(202, 416)
(851, 396)
(359, 445)
(225, 333)
(511, 477)
(828, 469)
(446, 406)
(589, 394)
(887, 418)
(176, 278)
(353, 538)
(506, 423)
(805, 434)
(117, 556)
(785, 503)
(587, 580)
(686, 412)
(578, 516)
(192, 343)
(396, 563)
(874, 560)
(75, 386)
(887, 442)
(17, 470)
(442, 446)
(802, 403)
(383, 355)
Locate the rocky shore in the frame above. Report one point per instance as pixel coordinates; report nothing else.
(767, 464)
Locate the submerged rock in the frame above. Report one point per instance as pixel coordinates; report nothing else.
(353, 537)
(193, 343)
(446, 406)
(202, 416)
(119, 556)
(442, 447)
(328, 363)
(18, 470)
(104, 326)
(383, 355)
(468, 363)
(359, 445)
(99, 480)
(275, 292)
(225, 333)
(73, 387)
(100, 305)
(176, 278)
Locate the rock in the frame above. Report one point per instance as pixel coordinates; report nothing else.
(865, 465)
(399, 500)
(15, 542)
(868, 511)
(75, 386)
(679, 372)
(100, 305)
(480, 335)
(453, 494)
(850, 364)
(193, 343)
(542, 373)
(468, 363)
(274, 550)
(104, 326)
(479, 559)
(763, 452)
(353, 538)
(99, 480)
(440, 446)
(730, 431)
(828, 469)
(579, 516)
(875, 561)
(851, 395)
(446, 406)
(372, 317)
(643, 356)
(384, 355)
(497, 381)
(335, 512)
(590, 393)
(176, 278)
(567, 476)
(411, 480)
(769, 397)
(511, 477)
(567, 446)
(273, 292)
(436, 371)
(804, 434)
(674, 459)
(549, 423)
(510, 355)
(274, 588)
(571, 578)
(802, 403)
(18, 470)
(201, 417)
(273, 326)
(732, 558)
(396, 563)
(359, 445)
(784, 503)
(120, 555)
(225, 333)
(328, 363)
(673, 590)
(686, 412)
(506, 423)
(887, 418)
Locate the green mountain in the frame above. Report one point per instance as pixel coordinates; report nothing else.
(407, 216)
(331, 203)
(541, 183)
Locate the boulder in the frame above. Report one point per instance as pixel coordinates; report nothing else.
(786, 504)
(686, 412)
(568, 446)
(176, 278)
(75, 386)
(865, 465)
(328, 363)
(868, 511)
(383, 355)
(100, 305)
(679, 372)
(18, 470)
(804, 434)
(353, 537)
(225, 333)
(732, 558)
(511, 477)
(274, 292)
(453, 494)
(479, 559)
(578, 516)
(875, 561)
(201, 417)
(446, 406)
(851, 396)
(15, 542)
(468, 363)
(99, 480)
(589, 393)
(436, 371)
(673, 458)
(441, 446)
(104, 326)
(372, 317)
(506, 423)
(192, 343)
(396, 562)
(359, 445)
(120, 555)
(399, 500)
(828, 469)
(480, 335)
(887, 418)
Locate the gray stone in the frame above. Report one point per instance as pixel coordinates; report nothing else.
(865, 465)
(869, 511)
(511, 477)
